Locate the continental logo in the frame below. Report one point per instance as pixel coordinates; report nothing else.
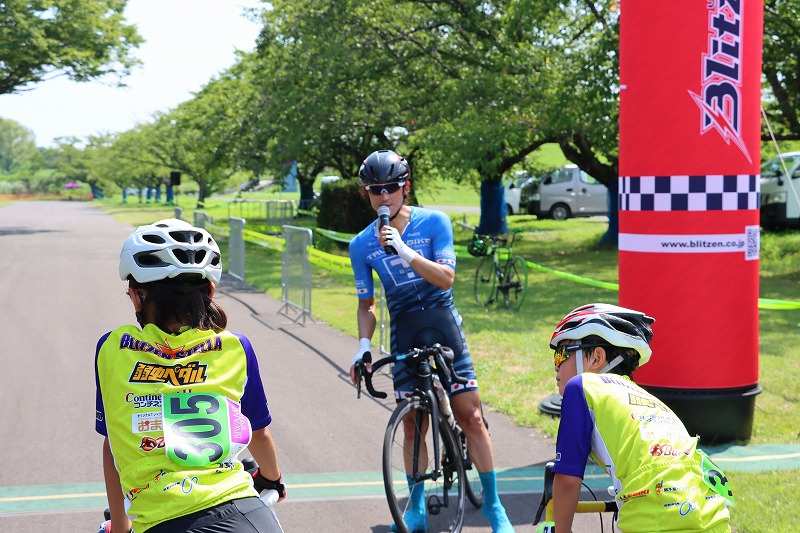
(188, 374)
(128, 342)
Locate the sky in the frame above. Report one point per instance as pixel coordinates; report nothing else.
(187, 42)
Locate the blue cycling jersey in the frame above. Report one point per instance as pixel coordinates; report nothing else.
(430, 234)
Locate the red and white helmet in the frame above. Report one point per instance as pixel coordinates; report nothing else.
(169, 248)
(618, 326)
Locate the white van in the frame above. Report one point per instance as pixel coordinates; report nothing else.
(780, 205)
(568, 192)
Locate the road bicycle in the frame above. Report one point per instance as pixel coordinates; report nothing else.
(498, 280)
(438, 457)
(544, 520)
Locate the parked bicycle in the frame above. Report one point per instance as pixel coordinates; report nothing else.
(446, 470)
(498, 280)
(544, 520)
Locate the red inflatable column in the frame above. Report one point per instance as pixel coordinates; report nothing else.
(690, 75)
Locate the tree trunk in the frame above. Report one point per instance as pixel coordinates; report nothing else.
(610, 238)
(493, 208)
(306, 192)
(202, 194)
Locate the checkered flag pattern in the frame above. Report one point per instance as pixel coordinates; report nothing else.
(689, 193)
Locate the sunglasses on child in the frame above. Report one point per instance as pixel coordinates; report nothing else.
(565, 351)
(384, 188)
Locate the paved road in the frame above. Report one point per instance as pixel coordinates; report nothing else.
(60, 291)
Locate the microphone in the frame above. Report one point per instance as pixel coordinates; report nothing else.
(383, 220)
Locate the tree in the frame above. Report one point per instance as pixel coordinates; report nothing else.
(326, 97)
(17, 146)
(80, 39)
(199, 138)
(781, 66)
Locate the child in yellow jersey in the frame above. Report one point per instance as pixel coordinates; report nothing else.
(660, 479)
(180, 396)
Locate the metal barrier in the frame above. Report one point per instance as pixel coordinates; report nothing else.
(200, 219)
(236, 248)
(268, 212)
(296, 275)
(178, 213)
(279, 212)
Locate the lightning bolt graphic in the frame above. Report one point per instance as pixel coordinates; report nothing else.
(721, 124)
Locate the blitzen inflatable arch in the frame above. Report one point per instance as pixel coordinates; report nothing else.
(690, 78)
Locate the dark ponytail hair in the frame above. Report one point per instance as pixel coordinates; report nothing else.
(182, 300)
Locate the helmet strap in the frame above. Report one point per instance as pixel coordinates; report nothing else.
(140, 318)
(579, 360)
(614, 362)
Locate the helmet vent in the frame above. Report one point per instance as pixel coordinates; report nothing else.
(182, 256)
(199, 255)
(148, 260)
(155, 239)
(162, 225)
(181, 236)
(198, 236)
(215, 260)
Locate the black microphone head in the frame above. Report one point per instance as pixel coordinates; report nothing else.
(383, 214)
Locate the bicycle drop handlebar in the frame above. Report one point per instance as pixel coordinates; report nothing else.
(442, 356)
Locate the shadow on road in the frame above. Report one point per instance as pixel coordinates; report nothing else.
(24, 231)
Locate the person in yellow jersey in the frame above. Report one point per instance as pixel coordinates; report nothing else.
(662, 481)
(180, 396)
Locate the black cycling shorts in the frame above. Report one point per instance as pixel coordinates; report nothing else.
(415, 329)
(243, 515)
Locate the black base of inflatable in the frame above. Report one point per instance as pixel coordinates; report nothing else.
(551, 405)
(717, 415)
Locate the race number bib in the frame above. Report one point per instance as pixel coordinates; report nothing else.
(202, 429)
(715, 478)
(545, 527)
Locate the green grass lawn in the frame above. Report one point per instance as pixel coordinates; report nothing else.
(511, 352)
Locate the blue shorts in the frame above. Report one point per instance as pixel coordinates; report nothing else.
(415, 329)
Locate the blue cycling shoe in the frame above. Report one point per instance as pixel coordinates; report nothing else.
(498, 519)
(414, 521)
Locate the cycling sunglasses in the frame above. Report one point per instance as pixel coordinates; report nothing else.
(564, 352)
(387, 188)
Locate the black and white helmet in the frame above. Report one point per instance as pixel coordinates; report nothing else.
(169, 248)
(384, 166)
(618, 326)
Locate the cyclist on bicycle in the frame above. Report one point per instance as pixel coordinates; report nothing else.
(657, 471)
(418, 284)
(177, 471)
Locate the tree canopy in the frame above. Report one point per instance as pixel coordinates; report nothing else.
(80, 39)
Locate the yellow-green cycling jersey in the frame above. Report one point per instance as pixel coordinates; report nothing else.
(176, 409)
(652, 460)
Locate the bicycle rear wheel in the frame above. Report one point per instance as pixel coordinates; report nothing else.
(515, 283)
(445, 496)
(485, 281)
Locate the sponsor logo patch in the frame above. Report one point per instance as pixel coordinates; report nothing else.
(188, 374)
(146, 422)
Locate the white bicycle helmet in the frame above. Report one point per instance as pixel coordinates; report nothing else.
(169, 248)
(618, 326)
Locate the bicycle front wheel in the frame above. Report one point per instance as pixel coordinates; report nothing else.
(485, 281)
(515, 283)
(444, 496)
